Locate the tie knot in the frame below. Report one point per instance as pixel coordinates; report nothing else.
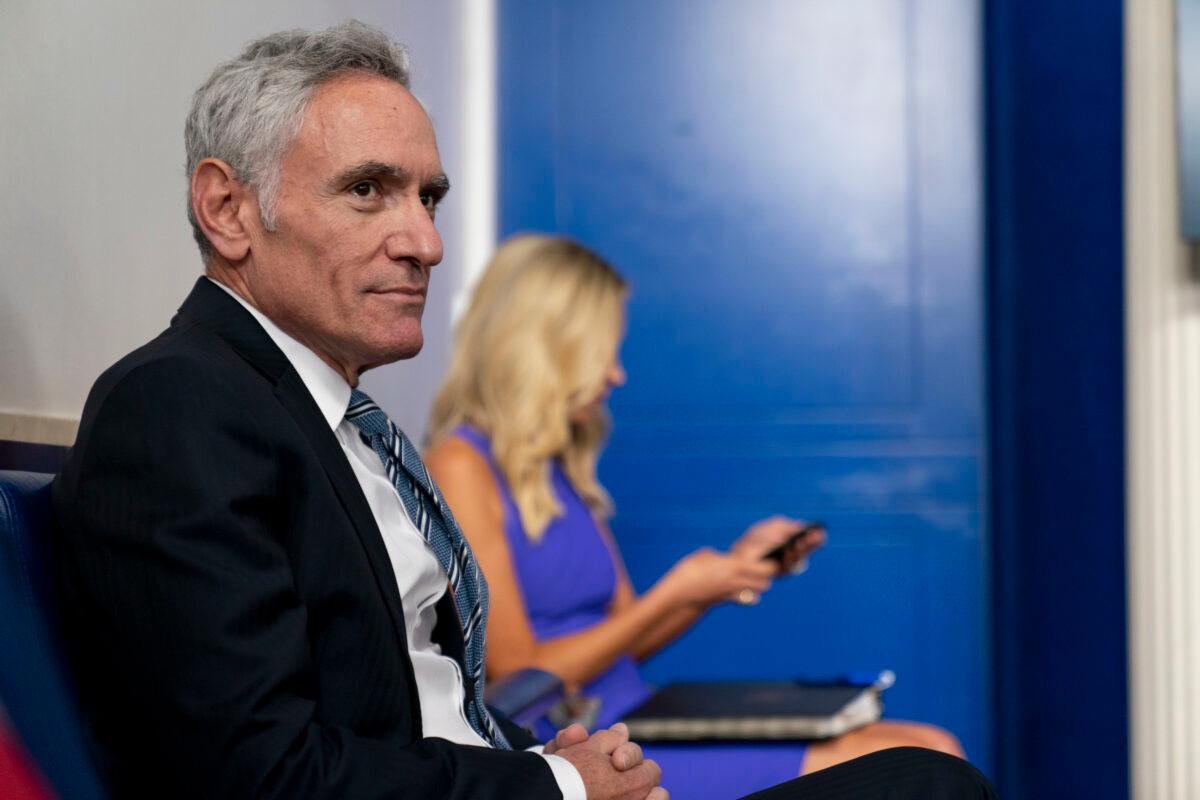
(365, 415)
(386, 439)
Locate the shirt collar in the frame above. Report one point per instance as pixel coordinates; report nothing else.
(327, 387)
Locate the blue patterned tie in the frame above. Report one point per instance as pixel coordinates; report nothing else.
(430, 514)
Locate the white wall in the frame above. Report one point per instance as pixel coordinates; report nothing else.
(95, 250)
(1163, 424)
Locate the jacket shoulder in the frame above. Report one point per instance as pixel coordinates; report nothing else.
(182, 363)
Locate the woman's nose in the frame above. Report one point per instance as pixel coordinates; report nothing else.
(616, 374)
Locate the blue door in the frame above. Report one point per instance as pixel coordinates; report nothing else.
(793, 189)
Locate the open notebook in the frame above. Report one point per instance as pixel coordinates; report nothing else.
(756, 710)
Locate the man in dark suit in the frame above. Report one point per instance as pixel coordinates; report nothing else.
(264, 594)
(233, 586)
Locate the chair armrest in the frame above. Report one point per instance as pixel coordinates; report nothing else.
(525, 695)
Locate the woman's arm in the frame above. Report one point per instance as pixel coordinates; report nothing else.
(662, 632)
(695, 582)
(759, 538)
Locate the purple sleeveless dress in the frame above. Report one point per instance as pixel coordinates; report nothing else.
(567, 581)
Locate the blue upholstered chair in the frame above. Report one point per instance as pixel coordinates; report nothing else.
(34, 686)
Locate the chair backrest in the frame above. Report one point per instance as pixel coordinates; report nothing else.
(34, 686)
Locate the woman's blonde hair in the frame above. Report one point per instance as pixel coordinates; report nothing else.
(534, 346)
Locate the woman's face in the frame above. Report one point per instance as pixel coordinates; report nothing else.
(614, 376)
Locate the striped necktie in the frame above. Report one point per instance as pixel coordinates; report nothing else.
(431, 516)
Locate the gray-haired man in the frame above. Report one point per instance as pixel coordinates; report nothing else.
(252, 610)
(265, 594)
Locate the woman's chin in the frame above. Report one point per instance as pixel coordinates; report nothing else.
(588, 413)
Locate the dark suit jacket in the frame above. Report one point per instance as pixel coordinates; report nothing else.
(231, 611)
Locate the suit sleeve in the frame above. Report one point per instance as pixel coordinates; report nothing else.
(192, 635)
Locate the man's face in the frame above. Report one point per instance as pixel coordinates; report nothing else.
(346, 269)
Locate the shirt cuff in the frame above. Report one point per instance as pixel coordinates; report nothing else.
(570, 783)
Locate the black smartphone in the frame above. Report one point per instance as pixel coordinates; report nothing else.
(777, 553)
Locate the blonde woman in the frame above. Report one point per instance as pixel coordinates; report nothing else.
(516, 431)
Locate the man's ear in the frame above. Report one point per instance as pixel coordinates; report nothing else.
(220, 203)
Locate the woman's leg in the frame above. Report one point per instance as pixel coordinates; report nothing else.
(878, 736)
(902, 773)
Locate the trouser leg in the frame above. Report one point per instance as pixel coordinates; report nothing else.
(901, 773)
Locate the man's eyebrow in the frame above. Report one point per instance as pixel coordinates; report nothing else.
(369, 169)
(437, 186)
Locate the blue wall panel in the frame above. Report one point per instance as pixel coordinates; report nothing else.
(1056, 269)
(794, 190)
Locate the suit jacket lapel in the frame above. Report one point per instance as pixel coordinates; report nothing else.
(211, 308)
(295, 397)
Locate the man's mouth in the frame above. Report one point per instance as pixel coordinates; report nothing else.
(413, 292)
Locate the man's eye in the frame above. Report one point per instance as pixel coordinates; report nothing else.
(430, 202)
(363, 189)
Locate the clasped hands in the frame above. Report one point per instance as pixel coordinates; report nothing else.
(612, 767)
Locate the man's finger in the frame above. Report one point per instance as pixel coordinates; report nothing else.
(627, 756)
(609, 739)
(571, 735)
(654, 772)
(658, 793)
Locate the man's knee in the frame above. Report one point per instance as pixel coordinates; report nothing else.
(897, 773)
(942, 775)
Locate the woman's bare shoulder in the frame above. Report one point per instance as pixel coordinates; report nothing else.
(456, 464)
(465, 478)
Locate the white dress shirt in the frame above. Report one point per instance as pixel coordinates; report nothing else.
(419, 577)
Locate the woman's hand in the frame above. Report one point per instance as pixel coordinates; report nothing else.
(765, 535)
(707, 576)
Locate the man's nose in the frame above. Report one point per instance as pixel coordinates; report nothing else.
(414, 236)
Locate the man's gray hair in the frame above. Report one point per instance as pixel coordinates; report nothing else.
(250, 109)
